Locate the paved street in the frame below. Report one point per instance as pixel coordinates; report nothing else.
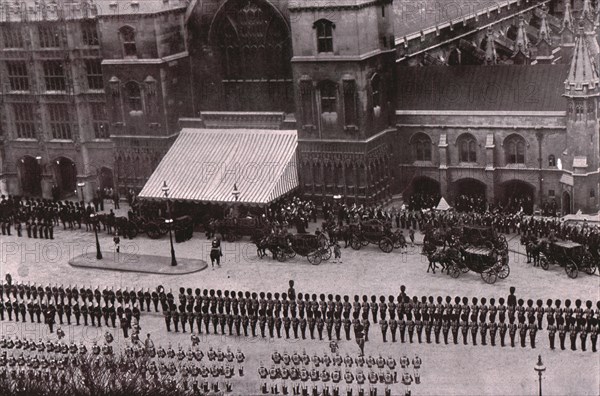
(482, 369)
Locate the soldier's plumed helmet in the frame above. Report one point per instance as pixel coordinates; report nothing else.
(291, 283)
(300, 295)
(338, 298)
(330, 297)
(262, 294)
(356, 298)
(448, 299)
(232, 293)
(465, 300)
(512, 290)
(391, 299)
(365, 298)
(226, 293)
(197, 291)
(578, 303)
(205, 292)
(457, 300)
(474, 300)
(212, 292)
(520, 302)
(539, 303)
(322, 297)
(382, 299)
(314, 297)
(402, 288)
(492, 301)
(529, 302)
(568, 303)
(284, 296)
(269, 296)
(424, 299)
(373, 299)
(557, 302)
(254, 295)
(415, 299)
(219, 292)
(346, 298)
(276, 295)
(248, 294)
(439, 299)
(588, 304)
(549, 302)
(483, 300)
(181, 290)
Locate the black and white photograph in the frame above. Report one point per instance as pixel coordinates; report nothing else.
(299, 197)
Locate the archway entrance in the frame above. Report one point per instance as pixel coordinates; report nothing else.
(66, 176)
(516, 195)
(566, 203)
(30, 176)
(469, 195)
(105, 178)
(424, 192)
(253, 48)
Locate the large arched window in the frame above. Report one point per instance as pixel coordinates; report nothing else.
(514, 149)
(422, 147)
(376, 90)
(134, 96)
(128, 41)
(467, 148)
(328, 91)
(324, 29)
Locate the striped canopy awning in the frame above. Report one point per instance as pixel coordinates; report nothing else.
(206, 165)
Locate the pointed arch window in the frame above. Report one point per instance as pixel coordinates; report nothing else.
(134, 96)
(422, 147)
(324, 29)
(467, 148)
(515, 150)
(127, 34)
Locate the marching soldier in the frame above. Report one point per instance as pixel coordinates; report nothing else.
(483, 328)
(532, 330)
(551, 331)
(522, 330)
(384, 328)
(493, 328)
(393, 325)
(594, 333)
(418, 326)
(427, 319)
(474, 327)
(401, 326)
(573, 332)
(464, 328)
(454, 327)
(562, 331)
(583, 333)
(443, 321)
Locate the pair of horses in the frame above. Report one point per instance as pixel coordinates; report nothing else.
(533, 248)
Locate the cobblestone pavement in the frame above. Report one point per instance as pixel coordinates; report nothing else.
(452, 369)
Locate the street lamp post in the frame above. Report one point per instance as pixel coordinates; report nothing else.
(81, 185)
(93, 217)
(169, 222)
(540, 368)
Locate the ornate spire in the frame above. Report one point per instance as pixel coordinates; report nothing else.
(544, 32)
(587, 11)
(490, 49)
(521, 48)
(568, 18)
(583, 80)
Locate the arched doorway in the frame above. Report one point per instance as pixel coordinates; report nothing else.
(252, 43)
(469, 195)
(516, 195)
(105, 178)
(30, 176)
(566, 203)
(66, 176)
(424, 192)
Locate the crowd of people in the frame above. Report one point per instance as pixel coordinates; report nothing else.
(321, 370)
(27, 366)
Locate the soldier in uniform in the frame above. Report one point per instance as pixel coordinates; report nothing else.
(393, 325)
(562, 331)
(583, 333)
(474, 326)
(384, 328)
(410, 326)
(483, 327)
(532, 330)
(522, 330)
(493, 326)
(401, 326)
(573, 330)
(593, 332)
(427, 320)
(418, 326)
(551, 331)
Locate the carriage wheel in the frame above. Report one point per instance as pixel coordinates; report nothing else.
(230, 237)
(314, 258)
(489, 276)
(455, 271)
(504, 272)
(386, 245)
(544, 263)
(133, 231)
(291, 253)
(571, 270)
(153, 231)
(355, 243)
(325, 253)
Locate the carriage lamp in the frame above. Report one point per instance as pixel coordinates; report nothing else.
(93, 217)
(81, 185)
(540, 368)
(169, 222)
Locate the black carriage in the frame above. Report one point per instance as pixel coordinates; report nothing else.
(315, 248)
(234, 228)
(489, 263)
(571, 255)
(373, 232)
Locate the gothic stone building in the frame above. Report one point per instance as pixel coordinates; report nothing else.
(499, 99)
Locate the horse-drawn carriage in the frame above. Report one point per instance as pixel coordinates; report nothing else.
(483, 236)
(155, 228)
(571, 255)
(315, 248)
(377, 233)
(234, 228)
